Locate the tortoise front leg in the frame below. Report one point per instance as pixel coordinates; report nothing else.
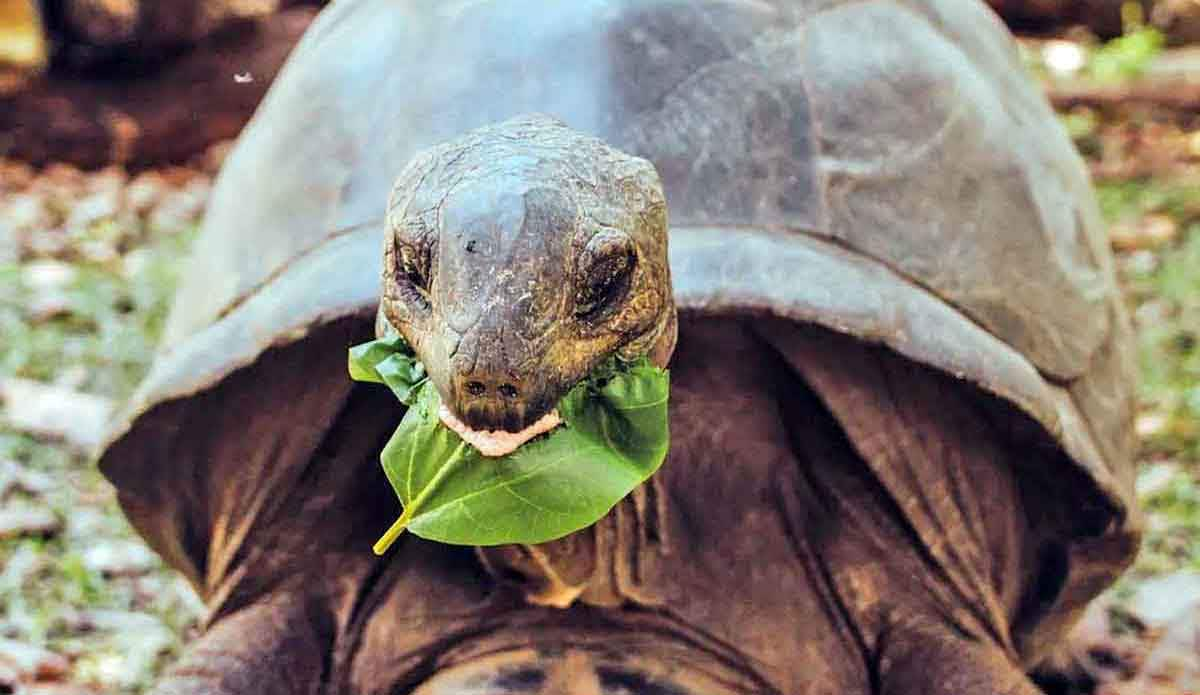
(278, 647)
(924, 662)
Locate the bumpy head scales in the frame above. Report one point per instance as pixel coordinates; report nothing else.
(520, 256)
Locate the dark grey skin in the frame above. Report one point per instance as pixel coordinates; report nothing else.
(518, 258)
(779, 550)
(901, 371)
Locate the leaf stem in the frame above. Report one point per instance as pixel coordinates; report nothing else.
(385, 541)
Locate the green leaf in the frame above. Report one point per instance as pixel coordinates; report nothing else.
(388, 361)
(615, 435)
(403, 374)
(1128, 56)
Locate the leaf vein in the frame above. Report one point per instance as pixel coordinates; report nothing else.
(531, 503)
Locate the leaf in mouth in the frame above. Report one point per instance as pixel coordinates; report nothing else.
(389, 361)
(614, 436)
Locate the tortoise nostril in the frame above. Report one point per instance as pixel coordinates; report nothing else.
(476, 388)
(508, 391)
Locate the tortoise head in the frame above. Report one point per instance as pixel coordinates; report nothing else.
(520, 256)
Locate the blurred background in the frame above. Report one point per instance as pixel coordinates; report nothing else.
(114, 118)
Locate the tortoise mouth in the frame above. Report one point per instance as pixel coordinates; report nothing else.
(510, 415)
(498, 442)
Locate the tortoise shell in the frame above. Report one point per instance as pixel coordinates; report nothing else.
(884, 169)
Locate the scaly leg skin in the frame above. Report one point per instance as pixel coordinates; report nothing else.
(269, 648)
(925, 662)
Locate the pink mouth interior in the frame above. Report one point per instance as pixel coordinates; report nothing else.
(498, 442)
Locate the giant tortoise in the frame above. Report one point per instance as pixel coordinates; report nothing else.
(900, 409)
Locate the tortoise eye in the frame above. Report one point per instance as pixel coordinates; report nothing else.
(414, 265)
(605, 268)
(411, 273)
(412, 246)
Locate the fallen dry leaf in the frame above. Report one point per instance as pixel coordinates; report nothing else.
(32, 662)
(78, 418)
(1150, 232)
(1160, 601)
(1174, 659)
(25, 519)
(119, 558)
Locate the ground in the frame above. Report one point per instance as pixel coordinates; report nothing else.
(88, 263)
(87, 267)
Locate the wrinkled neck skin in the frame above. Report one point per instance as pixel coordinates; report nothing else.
(517, 259)
(764, 557)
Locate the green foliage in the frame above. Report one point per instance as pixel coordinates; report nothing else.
(105, 319)
(1162, 288)
(94, 328)
(1164, 292)
(1170, 356)
(1079, 124)
(1126, 57)
(388, 361)
(613, 438)
(1173, 541)
(1129, 200)
(83, 586)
